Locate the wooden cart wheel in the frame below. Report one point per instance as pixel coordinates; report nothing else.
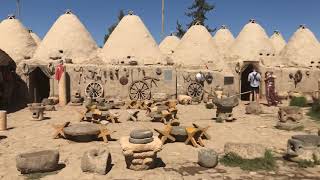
(139, 90)
(195, 90)
(94, 90)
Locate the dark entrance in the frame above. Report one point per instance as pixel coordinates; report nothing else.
(245, 85)
(39, 85)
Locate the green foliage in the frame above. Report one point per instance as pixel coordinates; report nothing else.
(198, 13)
(314, 112)
(305, 164)
(113, 26)
(266, 163)
(298, 101)
(180, 31)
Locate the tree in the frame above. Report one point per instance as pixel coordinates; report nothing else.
(180, 31)
(113, 26)
(198, 13)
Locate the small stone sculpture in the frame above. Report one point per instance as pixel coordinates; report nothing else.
(96, 161)
(303, 147)
(76, 99)
(37, 111)
(289, 118)
(140, 149)
(225, 107)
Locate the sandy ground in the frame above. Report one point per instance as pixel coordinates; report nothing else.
(179, 160)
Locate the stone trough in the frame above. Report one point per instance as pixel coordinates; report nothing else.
(37, 162)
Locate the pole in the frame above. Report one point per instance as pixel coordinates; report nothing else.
(162, 30)
(18, 8)
(3, 120)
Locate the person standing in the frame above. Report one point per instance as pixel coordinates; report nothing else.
(271, 95)
(254, 78)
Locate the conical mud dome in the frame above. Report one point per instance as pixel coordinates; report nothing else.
(302, 49)
(68, 38)
(35, 37)
(197, 49)
(277, 41)
(16, 40)
(169, 44)
(131, 41)
(223, 39)
(251, 44)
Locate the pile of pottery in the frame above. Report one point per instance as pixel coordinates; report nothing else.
(140, 149)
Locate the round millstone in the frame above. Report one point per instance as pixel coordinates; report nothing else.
(180, 133)
(140, 141)
(141, 134)
(82, 132)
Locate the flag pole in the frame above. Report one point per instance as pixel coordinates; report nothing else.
(18, 8)
(162, 13)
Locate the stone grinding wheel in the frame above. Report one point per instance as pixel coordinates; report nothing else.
(82, 132)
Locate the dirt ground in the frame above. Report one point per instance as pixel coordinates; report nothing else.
(179, 161)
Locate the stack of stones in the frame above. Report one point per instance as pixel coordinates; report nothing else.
(140, 149)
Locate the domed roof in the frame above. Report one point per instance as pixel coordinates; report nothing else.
(277, 41)
(302, 49)
(223, 39)
(35, 37)
(16, 40)
(197, 49)
(169, 44)
(131, 41)
(67, 38)
(251, 44)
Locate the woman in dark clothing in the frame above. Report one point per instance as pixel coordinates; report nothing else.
(271, 94)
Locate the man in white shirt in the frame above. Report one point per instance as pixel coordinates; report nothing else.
(254, 78)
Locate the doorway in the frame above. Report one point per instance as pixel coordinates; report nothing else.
(39, 86)
(244, 84)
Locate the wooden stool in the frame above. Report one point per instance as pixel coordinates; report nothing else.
(133, 115)
(59, 130)
(131, 104)
(166, 116)
(204, 130)
(164, 135)
(112, 117)
(191, 132)
(105, 134)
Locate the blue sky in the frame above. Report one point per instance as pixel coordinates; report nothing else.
(97, 15)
